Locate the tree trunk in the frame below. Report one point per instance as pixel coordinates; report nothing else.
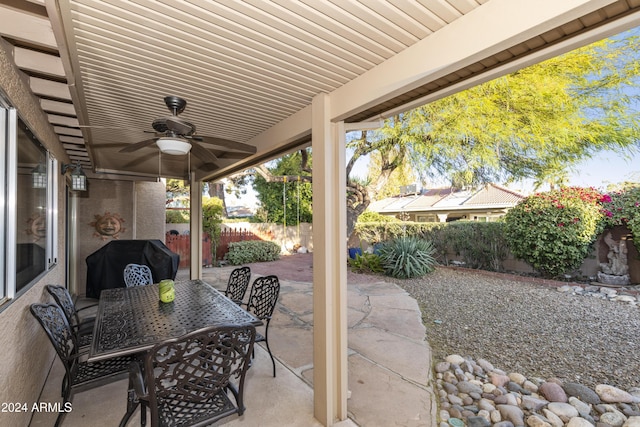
(216, 189)
(357, 202)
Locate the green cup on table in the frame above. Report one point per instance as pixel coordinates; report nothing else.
(167, 290)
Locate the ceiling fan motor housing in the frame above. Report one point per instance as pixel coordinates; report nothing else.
(175, 104)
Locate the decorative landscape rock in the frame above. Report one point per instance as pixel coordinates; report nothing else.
(612, 394)
(553, 392)
(582, 392)
(477, 394)
(626, 295)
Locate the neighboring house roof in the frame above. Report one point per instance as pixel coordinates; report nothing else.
(239, 211)
(446, 199)
(495, 194)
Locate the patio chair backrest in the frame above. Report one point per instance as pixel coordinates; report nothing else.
(238, 283)
(62, 296)
(58, 330)
(188, 378)
(137, 275)
(263, 296)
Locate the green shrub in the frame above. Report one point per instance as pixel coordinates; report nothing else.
(407, 257)
(370, 216)
(366, 263)
(375, 232)
(554, 231)
(175, 216)
(623, 208)
(481, 245)
(438, 235)
(212, 215)
(249, 251)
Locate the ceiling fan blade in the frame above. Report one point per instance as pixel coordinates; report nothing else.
(138, 160)
(226, 143)
(179, 126)
(203, 154)
(208, 167)
(116, 145)
(232, 155)
(138, 145)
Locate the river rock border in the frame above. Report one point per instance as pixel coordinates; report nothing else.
(476, 394)
(622, 294)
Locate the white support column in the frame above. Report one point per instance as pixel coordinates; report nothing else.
(195, 228)
(329, 265)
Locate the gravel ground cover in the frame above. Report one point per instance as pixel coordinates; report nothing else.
(528, 328)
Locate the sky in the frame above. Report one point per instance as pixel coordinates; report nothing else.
(607, 167)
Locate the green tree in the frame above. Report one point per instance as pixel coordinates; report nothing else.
(212, 216)
(177, 193)
(398, 177)
(285, 189)
(536, 122)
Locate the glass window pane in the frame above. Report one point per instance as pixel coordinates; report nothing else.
(31, 206)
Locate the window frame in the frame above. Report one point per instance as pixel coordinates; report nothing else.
(9, 124)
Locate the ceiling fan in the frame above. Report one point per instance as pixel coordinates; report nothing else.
(176, 136)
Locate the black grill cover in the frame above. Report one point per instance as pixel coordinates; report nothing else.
(105, 267)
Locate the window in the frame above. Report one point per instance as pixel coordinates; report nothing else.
(29, 210)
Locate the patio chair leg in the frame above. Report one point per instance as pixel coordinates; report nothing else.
(143, 414)
(59, 419)
(132, 404)
(266, 341)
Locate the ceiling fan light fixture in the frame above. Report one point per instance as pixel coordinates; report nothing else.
(173, 145)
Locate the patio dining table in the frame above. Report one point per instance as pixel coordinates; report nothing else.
(132, 320)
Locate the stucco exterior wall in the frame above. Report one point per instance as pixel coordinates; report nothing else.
(27, 354)
(150, 202)
(140, 206)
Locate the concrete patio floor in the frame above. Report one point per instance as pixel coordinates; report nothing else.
(389, 360)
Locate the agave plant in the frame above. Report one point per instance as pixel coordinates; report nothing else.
(407, 257)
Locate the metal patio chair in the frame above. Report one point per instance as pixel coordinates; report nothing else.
(79, 374)
(262, 302)
(81, 325)
(137, 275)
(190, 380)
(238, 283)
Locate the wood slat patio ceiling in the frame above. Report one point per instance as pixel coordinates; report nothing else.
(242, 66)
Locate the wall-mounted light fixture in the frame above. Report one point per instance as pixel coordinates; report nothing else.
(78, 178)
(39, 176)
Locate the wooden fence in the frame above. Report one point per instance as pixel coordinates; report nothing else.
(229, 236)
(180, 244)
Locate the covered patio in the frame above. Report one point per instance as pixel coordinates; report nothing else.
(389, 361)
(85, 79)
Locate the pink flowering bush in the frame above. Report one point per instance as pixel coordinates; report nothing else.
(623, 208)
(554, 231)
